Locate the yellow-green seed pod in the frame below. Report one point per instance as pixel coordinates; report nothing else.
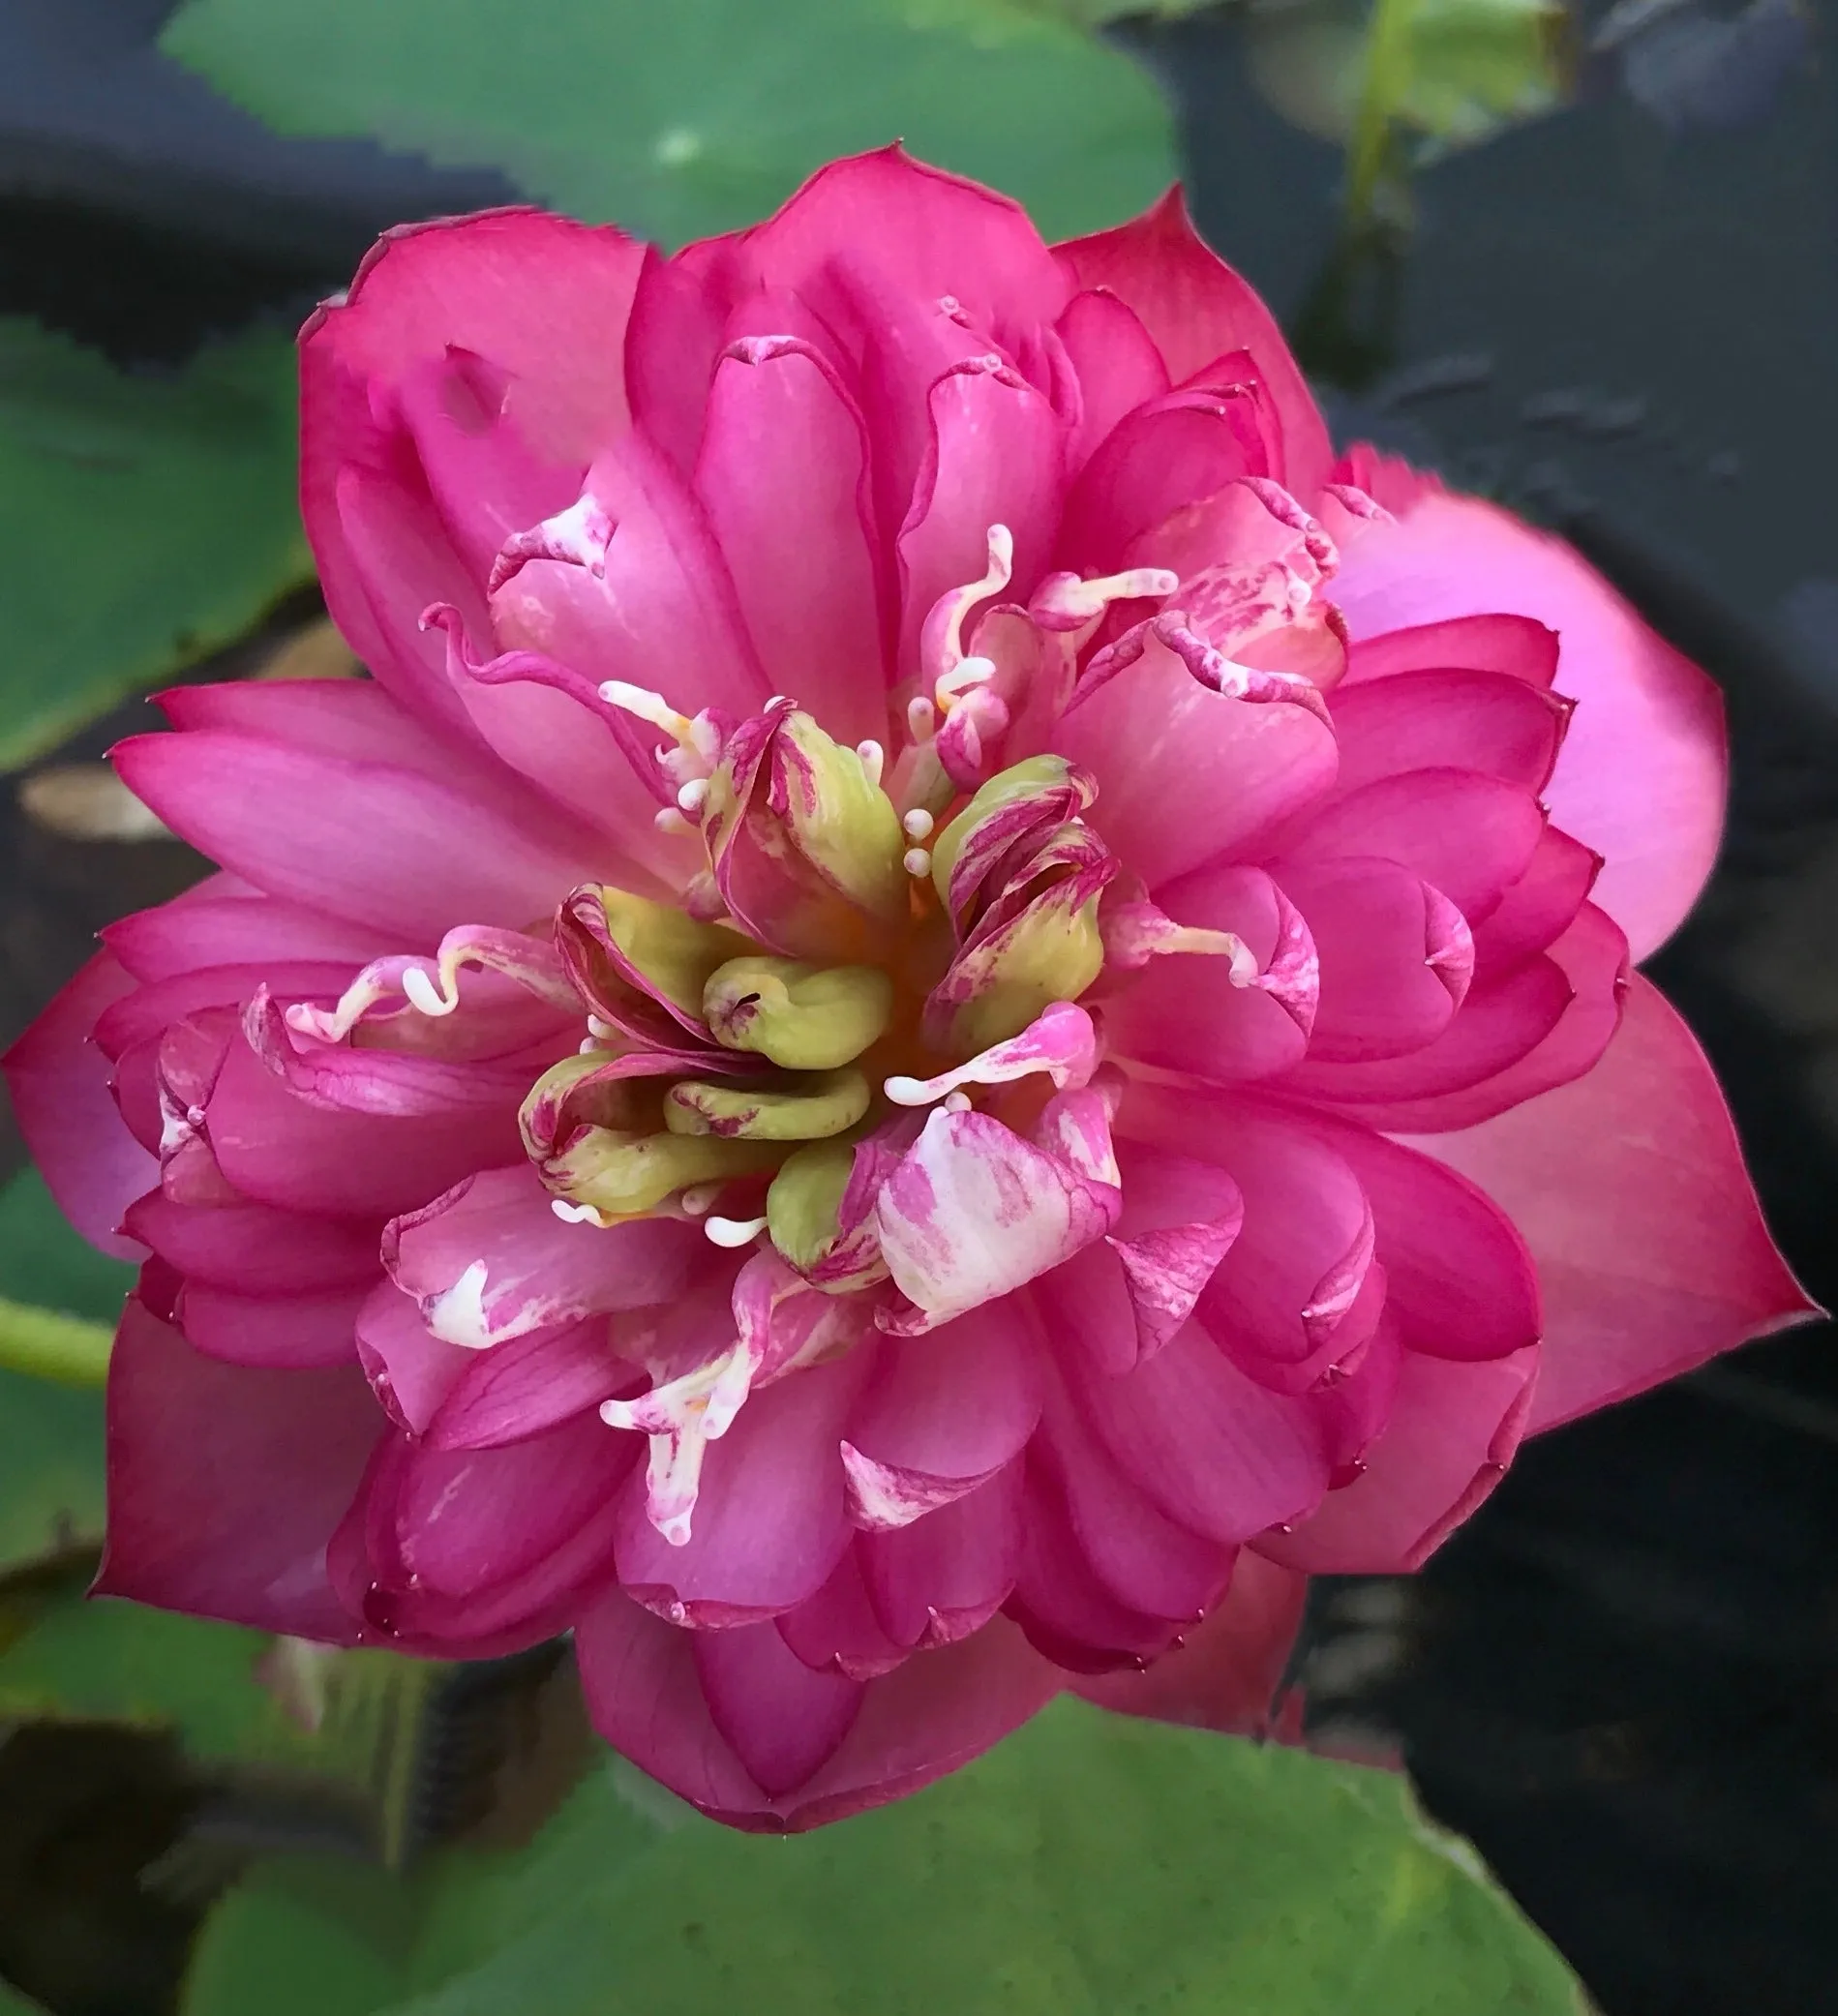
(1038, 778)
(626, 1175)
(809, 1107)
(806, 1196)
(804, 1018)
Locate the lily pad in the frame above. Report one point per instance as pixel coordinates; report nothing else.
(701, 115)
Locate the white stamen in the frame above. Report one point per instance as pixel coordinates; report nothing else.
(964, 675)
(586, 1047)
(919, 861)
(779, 700)
(957, 1103)
(667, 820)
(873, 757)
(919, 824)
(692, 797)
(647, 706)
(598, 1026)
(577, 1214)
(733, 1232)
(921, 719)
(699, 1199)
(420, 992)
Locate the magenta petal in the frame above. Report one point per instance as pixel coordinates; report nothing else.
(59, 1081)
(1519, 645)
(1629, 1188)
(518, 1389)
(997, 457)
(945, 1575)
(944, 1412)
(1218, 1453)
(930, 1716)
(783, 474)
(1540, 906)
(1118, 365)
(385, 847)
(491, 1260)
(782, 1720)
(224, 1482)
(271, 1330)
(1227, 1673)
(280, 1151)
(155, 944)
(770, 1522)
(255, 1249)
(1185, 775)
(1452, 1431)
(836, 1631)
(1641, 775)
(1196, 308)
(410, 1370)
(1486, 721)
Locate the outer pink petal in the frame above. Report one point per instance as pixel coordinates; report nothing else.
(1451, 1434)
(271, 1330)
(782, 1720)
(1196, 308)
(155, 944)
(1641, 775)
(1227, 1673)
(59, 1081)
(1629, 1188)
(539, 299)
(382, 846)
(935, 1713)
(255, 1250)
(225, 1482)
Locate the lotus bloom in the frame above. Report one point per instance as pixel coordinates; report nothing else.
(954, 1006)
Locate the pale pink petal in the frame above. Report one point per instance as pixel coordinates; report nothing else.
(1641, 775)
(491, 1260)
(1628, 1187)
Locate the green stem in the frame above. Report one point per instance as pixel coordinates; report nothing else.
(1385, 86)
(45, 1345)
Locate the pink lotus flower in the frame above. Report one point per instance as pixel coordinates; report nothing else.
(954, 1004)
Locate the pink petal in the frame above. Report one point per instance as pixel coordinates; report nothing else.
(783, 474)
(1451, 1434)
(59, 1082)
(974, 1212)
(491, 1260)
(384, 847)
(533, 1382)
(997, 457)
(279, 1150)
(1641, 775)
(255, 1249)
(929, 1717)
(539, 298)
(225, 1482)
(1519, 645)
(782, 1720)
(1395, 955)
(1196, 308)
(271, 1330)
(410, 1370)
(1185, 775)
(1540, 906)
(944, 1412)
(1629, 1188)
(945, 1575)
(1118, 365)
(1468, 835)
(156, 945)
(1227, 1673)
(1486, 721)
(836, 1630)
(660, 612)
(1218, 1453)
(770, 1522)
(1186, 445)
